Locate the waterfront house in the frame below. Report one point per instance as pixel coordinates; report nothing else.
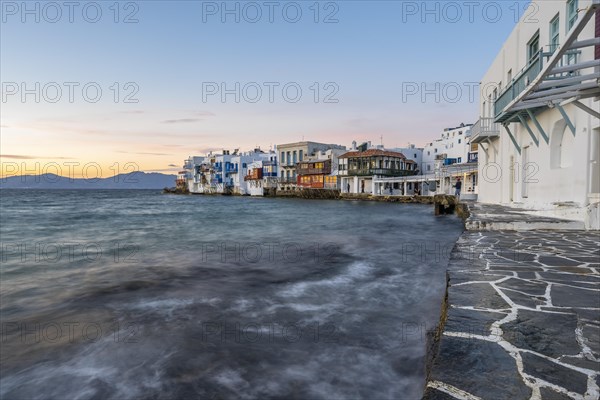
(452, 147)
(320, 170)
(292, 153)
(181, 181)
(358, 168)
(539, 126)
(239, 168)
(414, 153)
(261, 176)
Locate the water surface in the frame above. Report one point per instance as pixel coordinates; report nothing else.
(135, 294)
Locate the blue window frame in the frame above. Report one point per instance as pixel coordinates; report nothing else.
(554, 33)
(571, 13)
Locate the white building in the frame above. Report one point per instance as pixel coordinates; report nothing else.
(539, 130)
(239, 169)
(452, 147)
(413, 153)
(261, 176)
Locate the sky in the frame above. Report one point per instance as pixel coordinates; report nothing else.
(144, 84)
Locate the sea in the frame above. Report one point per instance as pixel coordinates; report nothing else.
(134, 294)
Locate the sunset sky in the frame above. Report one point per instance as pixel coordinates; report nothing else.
(171, 56)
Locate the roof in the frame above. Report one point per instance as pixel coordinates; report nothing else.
(373, 153)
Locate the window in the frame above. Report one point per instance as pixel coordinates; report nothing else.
(458, 141)
(428, 167)
(533, 47)
(283, 157)
(435, 150)
(295, 156)
(415, 155)
(301, 154)
(428, 153)
(459, 160)
(509, 76)
(554, 33)
(289, 158)
(571, 14)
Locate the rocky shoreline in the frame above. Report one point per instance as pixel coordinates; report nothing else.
(319, 194)
(521, 315)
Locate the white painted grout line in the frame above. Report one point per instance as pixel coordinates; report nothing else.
(452, 391)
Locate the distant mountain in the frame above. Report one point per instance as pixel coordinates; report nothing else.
(133, 180)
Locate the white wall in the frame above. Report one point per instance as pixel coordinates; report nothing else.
(452, 142)
(560, 171)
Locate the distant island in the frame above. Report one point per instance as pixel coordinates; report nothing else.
(133, 180)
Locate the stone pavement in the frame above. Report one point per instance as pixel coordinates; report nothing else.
(522, 318)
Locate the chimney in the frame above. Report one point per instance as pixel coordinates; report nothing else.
(354, 145)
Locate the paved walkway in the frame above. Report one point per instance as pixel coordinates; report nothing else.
(523, 317)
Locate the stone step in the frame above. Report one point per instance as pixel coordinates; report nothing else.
(521, 222)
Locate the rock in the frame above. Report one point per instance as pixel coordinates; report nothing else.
(556, 374)
(471, 322)
(444, 204)
(549, 394)
(478, 295)
(434, 394)
(552, 335)
(481, 368)
(566, 296)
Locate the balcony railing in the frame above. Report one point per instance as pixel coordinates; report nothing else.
(287, 180)
(484, 128)
(530, 72)
(314, 171)
(518, 84)
(380, 172)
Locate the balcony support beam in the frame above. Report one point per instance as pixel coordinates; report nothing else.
(487, 155)
(524, 123)
(585, 108)
(550, 100)
(585, 43)
(567, 81)
(538, 126)
(573, 67)
(512, 138)
(562, 90)
(566, 118)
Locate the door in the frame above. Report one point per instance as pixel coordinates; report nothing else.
(524, 180)
(594, 186)
(511, 187)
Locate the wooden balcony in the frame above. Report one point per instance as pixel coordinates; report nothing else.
(314, 168)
